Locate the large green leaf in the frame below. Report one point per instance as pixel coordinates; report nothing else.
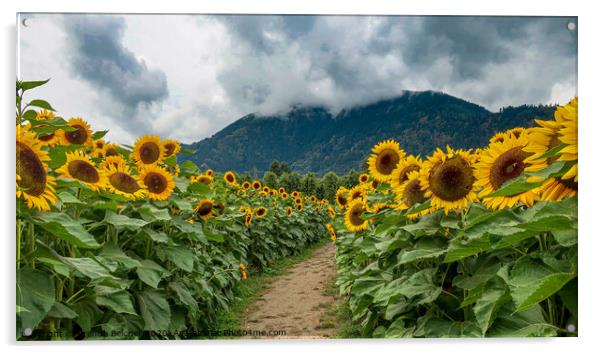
(122, 221)
(64, 227)
(528, 323)
(88, 267)
(117, 300)
(113, 253)
(424, 248)
(88, 313)
(181, 256)
(421, 286)
(532, 281)
(185, 296)
(154, 309)
(461, 248)
(35, 293)
(494, 296)
(150, 272)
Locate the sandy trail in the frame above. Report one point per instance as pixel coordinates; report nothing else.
(296, 301)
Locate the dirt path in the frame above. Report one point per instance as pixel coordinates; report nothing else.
(296, 302)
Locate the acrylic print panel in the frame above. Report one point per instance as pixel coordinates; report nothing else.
(261, 177)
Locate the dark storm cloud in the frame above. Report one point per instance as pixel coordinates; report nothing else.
(493, 61)
(98, 56)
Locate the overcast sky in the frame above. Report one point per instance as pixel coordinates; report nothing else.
(188, 76)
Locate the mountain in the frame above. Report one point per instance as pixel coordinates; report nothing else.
(312, 139)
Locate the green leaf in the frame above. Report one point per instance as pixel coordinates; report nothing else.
(88, 314)
(117, 300)
(552, 152)
(424, 248)
(213, 236)
(569, 296)
(156, 236)
(191, 166)
(419, 207)
(68, 198)
(60, 310)
(122, 221)
(150, 272)
(421, 285)
(494, 296)
(30, 114)
(35, 292)
(181, 256)
(461, 248)
(64, 227)
(151, 213)
(113, 253)
(28, 85)
(514, 186)
(531, 281)
(185, 296)
(99, 134)
(154, 309)
(42, 104)
(88, 267)
(443, 328)
(529, 323)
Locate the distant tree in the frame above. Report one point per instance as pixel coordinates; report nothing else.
(350, 179)
(270, 179)
(309, 182)
(245, 176)
(275, 168)
(285, 168)
(330, 182)
(293, 181)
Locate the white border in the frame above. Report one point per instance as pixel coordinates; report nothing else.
(590, 109)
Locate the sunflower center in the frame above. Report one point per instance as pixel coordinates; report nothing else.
(149, 152)
(77, 136)
(452, 179)
(169, 149)
(386, 161)
(355, 216)
(342, 200)
(260, 212)
(155, 182)
(413, 194)
(204, 209)
(507, 166)
(111, 152)
(124, 182)
(83, 171)
(403, 176)
(31, 170)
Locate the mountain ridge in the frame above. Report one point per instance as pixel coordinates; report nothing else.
(310, 138)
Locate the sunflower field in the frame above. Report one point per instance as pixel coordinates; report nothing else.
(122, 242)
(478, 243)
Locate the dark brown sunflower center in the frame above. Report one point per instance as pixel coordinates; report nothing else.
(260, 212)
(356, 194)
(204, 180)
(31, 170)
(403, 176)
(355, 216)
(507, 166)
(149, 152)
(111, 152)
(451, 180)
(204, 209)
(342, 200)
(83, 171)
(256, 185)
(413, 194)
(169, 149)
(124, 182)
(364, 178)
(155, 182)
(77, 136)
(386, 161)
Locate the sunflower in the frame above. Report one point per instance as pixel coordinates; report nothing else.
(203, 208)
(298, 201)
(116, 161)
(299, 207)
(80, 168)
(204, 179)
(331, 231)
(289, 211)
(295, 194)
(357, 192)
(313, 199)
(170, 147)
(256, 185)
(82, 135)
(209, 172)
(353, 220)
(121, 182)
(448, 179)
(248, 218)
(274, 193)
(331, 211)
(547, 136)
(405, 166)
(500, 163)
(45, 115)
(284, 195)
(378, 207)
(148, 150)
(262, 194)
(514, 132)
(99, 144)
(111, 150)
(261, 212)
(342, 197)
(409, 192)
(34, 184)
(266, 189)
(384, 159)
(47, 139)
(230, 178)
(158, 182)
(363, 178)
(98, 153)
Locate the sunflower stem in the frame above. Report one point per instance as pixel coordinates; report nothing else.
(18, 243)
(31, 243)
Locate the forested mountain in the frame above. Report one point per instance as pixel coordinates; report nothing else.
(312, 139)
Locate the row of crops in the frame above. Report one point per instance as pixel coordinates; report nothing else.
(465, 243)
(122, 242)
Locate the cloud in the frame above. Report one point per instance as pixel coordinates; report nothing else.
(98, 56)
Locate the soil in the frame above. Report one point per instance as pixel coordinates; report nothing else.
(296, 302)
